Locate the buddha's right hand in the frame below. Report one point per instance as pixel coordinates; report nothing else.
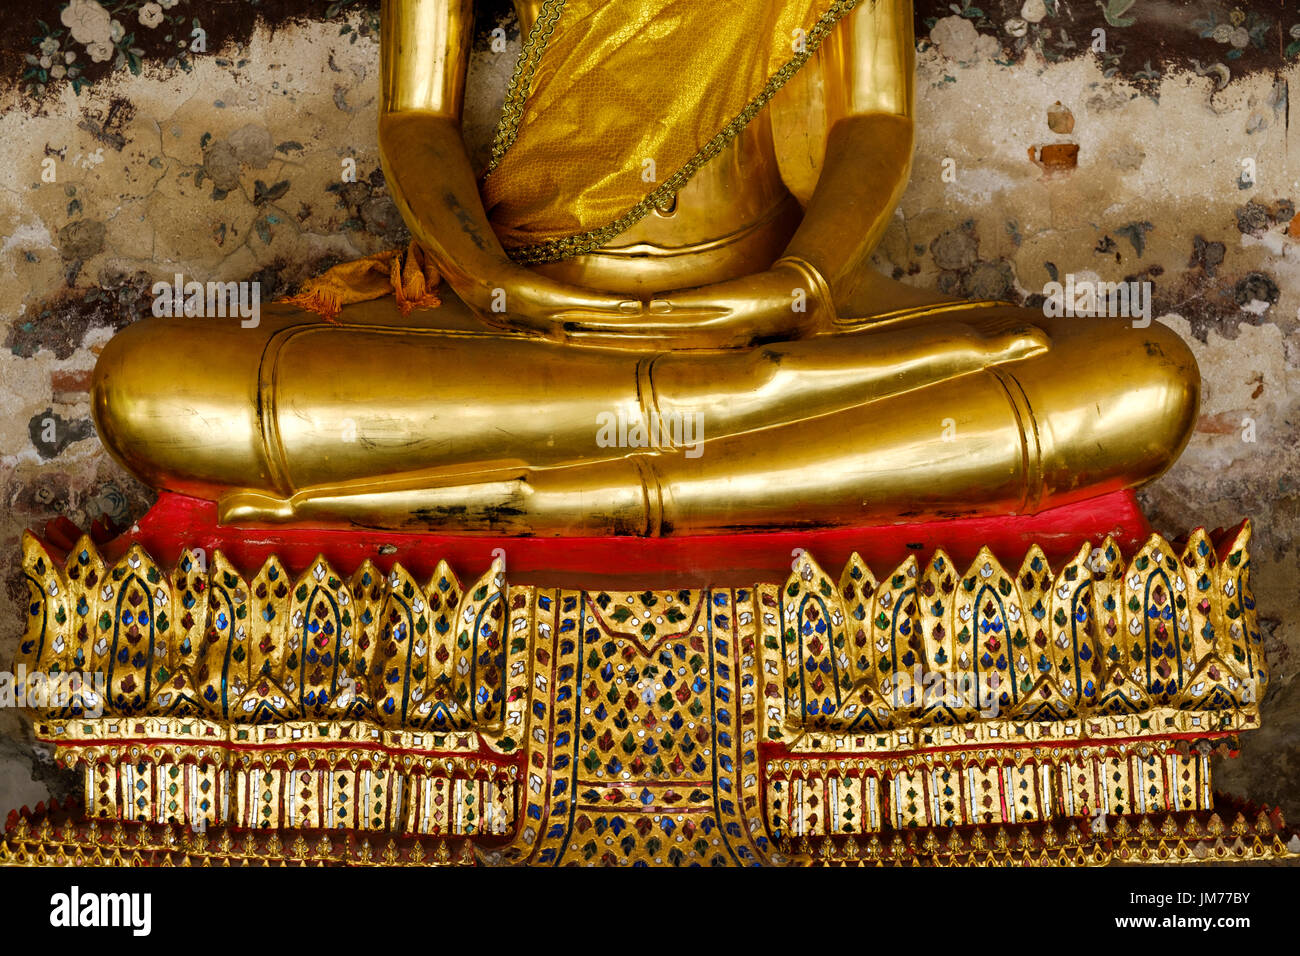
(434, 185)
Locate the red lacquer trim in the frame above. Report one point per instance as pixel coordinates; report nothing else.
(725, 560)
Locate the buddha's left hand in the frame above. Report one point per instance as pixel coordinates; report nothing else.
(765, 306)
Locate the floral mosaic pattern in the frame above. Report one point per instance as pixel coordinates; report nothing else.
(91, 39)
(1126, 36)
(86, 41)
(88, 32)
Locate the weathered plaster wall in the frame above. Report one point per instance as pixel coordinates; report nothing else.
(226, 164)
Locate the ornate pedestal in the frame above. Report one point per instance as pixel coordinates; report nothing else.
(928, 710)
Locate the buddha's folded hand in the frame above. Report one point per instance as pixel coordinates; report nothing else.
(513, 298)
(778, 304)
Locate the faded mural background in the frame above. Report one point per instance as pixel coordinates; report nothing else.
(221, 159)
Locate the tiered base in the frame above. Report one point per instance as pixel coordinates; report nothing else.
(938, 707)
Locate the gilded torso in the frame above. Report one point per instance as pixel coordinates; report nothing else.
(733, 217)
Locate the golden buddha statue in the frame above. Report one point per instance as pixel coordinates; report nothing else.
(676, 225)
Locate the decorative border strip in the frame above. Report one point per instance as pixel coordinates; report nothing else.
(444, 797)
(33, 839)
(1159, 724)
(1180, 838)
(815, 798)
(130, 843)
(214, 740)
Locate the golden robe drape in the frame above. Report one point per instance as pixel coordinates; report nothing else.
(616, 103)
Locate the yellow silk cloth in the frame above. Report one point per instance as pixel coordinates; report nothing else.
(409, 274)
(621, 82)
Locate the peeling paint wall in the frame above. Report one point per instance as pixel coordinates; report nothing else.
(1153, 150)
